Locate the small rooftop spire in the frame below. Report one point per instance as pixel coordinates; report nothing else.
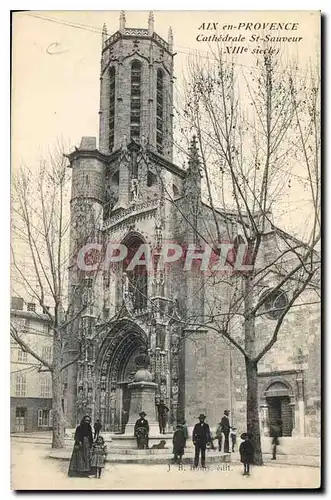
(170, 38)
(194, 162)
(151, 22)
(104, 34)
(122, 20)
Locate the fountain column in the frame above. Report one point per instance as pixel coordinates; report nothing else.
(143, 391)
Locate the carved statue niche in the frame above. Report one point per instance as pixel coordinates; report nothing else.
(126, 293)
(103, 398)
(174, 391)
(90, 396)
(112, 396)
(160, 336)
(134, 190)
(163, 389)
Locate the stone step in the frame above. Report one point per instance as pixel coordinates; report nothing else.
(143, 457)
(135, 452)
(123, 441)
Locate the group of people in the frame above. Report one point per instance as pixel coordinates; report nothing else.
(89, 452)
(225, 429)
(202, 437)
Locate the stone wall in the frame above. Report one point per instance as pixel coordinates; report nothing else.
(32, 406)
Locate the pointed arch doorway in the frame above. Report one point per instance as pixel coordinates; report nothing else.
(115, 370)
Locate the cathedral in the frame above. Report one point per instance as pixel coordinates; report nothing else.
(127, 190)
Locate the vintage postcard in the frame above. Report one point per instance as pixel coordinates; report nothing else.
(165, 264)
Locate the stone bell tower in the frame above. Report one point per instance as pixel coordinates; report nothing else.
(122, 191)
(136, 89)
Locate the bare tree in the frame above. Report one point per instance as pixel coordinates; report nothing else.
(254, 127)
(40, 262)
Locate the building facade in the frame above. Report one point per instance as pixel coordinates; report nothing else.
(128, 191)
(31, 385)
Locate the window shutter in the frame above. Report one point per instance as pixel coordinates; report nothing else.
(40, 418)
(50, 421)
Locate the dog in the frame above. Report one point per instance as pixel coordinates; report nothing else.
(160, 446)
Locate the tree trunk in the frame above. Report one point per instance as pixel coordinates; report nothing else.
(252, 395)
(58, 420)
(252, 415)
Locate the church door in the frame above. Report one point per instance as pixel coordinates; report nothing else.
(278, 399)
(279, 409)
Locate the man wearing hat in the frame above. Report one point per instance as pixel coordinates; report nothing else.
(162, 411)
(201, 436)
(225, 426)
(141, 431)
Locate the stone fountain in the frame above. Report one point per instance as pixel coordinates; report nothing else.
(143, 391)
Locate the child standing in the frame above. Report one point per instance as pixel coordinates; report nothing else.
(98, 456)
(178, 441)
(233, 436)
(246, 451)
(219, 435)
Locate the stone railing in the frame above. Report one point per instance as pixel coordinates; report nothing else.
(112, 39)
(160, 40)
(136, 32)
(123, 214)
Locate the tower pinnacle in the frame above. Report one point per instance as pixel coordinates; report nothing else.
(151, 22)
(122, 21)
(194, 162)
(104, 34)
(170, 38)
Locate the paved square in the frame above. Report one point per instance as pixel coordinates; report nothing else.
(31, 469)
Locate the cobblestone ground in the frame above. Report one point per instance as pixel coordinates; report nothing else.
(31, 469)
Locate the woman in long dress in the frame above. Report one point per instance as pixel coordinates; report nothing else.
(80, 464)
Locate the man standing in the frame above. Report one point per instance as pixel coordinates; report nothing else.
(97, 428)
(162, 411)
(141, 431)
(201, 436)
(225, 425)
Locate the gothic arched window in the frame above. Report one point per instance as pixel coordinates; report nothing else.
(135, 100)
(159, 110)
(111, 107)
(135, 280)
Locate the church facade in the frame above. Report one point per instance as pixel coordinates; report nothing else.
(128, 191)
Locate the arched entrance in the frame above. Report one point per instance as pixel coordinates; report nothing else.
(115, 370)
(278, 398)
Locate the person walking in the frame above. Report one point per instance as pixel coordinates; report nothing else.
(80, 465)
(275, 433)
(219, 435)
(225, 424)
(233, 436)
(141, 431)
(98, 456)
(162, 411)
(246, 451)
(185, 430)
(178, 442)
(97, 428)
(200, 437)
